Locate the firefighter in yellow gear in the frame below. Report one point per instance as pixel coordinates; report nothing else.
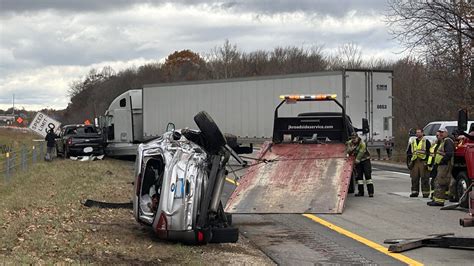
(418, 152)
(430, 165)
(444, 160)
(356, 147)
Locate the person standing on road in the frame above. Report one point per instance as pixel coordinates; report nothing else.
(444, 161)
(418, 151)
(430, 165)
(50, 144)
(358, 148)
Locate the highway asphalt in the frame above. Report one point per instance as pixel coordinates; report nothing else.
(356, 236)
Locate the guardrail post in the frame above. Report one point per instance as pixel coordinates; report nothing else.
(13, 161)
(42, 150)
(10, 164)
(7, 166)
(23, 158)
(33, 155)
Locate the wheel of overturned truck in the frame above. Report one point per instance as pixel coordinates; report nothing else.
(224, 235)
(213, 136)
(462, 184)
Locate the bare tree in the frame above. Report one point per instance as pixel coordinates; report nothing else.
(440, 31)
(349, 55)
(418, 23)
(223, 61)
(108, 72)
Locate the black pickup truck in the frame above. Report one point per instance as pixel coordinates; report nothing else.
(79, 139)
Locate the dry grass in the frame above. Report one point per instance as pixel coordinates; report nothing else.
(43, 221)
(15, 139)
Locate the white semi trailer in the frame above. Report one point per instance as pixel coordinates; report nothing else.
(244, 106)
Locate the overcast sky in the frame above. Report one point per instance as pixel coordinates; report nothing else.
(46, 44)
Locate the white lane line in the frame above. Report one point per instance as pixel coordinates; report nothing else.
(400, 173)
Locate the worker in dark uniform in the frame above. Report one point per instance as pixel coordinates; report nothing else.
(50, 144)
(444, 160)
(356, 147)
(418, 152)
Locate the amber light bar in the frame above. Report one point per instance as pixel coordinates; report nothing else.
(314, 97)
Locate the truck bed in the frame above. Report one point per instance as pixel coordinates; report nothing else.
(297, 178)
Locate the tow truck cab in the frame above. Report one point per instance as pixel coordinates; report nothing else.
(314, 127)
(463, 169)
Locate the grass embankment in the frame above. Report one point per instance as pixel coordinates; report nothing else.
(43, 221)
(14, 139)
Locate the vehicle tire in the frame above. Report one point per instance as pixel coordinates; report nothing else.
(213, 137)
(224, 235)
(462, 183)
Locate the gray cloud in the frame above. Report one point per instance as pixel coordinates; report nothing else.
(20, 6)
(327, 7)
(268, 7)
(51, 38)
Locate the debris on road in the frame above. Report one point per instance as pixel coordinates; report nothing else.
(447, 240)
(87, 158)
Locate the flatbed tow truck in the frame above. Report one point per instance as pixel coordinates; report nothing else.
(304, 169)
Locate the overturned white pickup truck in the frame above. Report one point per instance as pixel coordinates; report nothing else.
(179, 182)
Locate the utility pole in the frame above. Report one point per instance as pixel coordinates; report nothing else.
(13, 109)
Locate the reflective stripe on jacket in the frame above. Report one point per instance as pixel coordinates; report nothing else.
(361, 152)
(418, 150)
(432, 153)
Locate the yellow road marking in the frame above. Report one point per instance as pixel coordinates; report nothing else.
(231, 181)
(364, 241)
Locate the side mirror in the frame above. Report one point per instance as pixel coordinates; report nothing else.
(365, 126)
(462, 120)
(412, 132)
(170, 127)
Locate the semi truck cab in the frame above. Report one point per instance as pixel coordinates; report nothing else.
(122, 124)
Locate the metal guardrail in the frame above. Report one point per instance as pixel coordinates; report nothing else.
(20, 159)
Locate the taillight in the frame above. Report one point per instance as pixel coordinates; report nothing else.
(200, 236)
(161, 227)
(138, 183)
(69, 141)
